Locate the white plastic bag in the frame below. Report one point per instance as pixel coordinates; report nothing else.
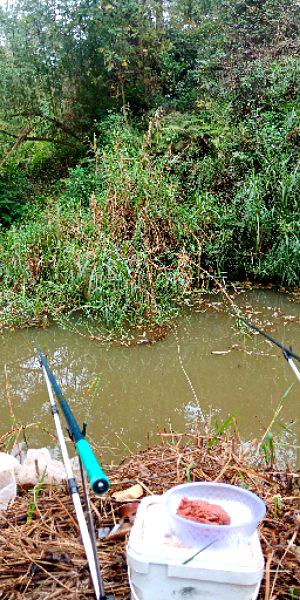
(37, 466)
(8, 487)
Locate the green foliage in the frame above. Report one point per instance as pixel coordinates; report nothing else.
(278, 505)
(135, 223)
(15, 191)
(267, 86)
(166, 139)
(268, 449)
(220, 428)
(113, 255)
(84, 59)
(36, 493)
(188, 471)
(267, 445)
(79, 185)
(45, 163)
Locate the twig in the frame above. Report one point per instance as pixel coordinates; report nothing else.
(268, 566)
(282, 559)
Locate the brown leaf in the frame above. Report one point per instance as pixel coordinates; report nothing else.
(128, 510)
(143, 470)
(119, 531)
(132, 493)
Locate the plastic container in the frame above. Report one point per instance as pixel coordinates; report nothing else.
(245, 509)
(161, 568)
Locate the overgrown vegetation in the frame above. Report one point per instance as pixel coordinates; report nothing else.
(179, 123)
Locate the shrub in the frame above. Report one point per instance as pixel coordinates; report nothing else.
(15, 192)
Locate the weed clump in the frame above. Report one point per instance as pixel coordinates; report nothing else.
(138, 223)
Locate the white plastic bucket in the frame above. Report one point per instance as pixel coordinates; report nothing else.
(157, 571)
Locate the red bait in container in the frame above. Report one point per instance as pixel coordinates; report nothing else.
(202, 511)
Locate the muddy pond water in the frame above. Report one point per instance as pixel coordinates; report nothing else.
(127, 393)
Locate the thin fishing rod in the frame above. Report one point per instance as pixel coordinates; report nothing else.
(73, 490)
(293, 366)
(97, 478)
(91, 528)
(287, 352)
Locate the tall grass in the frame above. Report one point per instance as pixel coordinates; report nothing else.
(125, 241)
(112, 254)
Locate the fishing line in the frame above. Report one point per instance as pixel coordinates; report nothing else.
(189, 381)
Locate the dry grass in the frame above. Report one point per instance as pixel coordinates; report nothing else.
(44, 558)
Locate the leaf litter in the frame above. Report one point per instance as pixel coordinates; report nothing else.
(43, 558)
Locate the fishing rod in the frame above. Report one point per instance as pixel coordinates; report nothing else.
(95, 475)
(287, 352)
(97, 478)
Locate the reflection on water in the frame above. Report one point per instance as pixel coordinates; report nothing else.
(126, 394)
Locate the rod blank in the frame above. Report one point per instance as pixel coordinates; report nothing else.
(86, 540)
(287, 352)
(97, 478)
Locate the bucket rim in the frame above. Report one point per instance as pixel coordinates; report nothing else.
(261, 506)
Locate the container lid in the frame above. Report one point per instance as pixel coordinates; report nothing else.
(151, 541)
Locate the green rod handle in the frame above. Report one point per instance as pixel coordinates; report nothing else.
(97, 478)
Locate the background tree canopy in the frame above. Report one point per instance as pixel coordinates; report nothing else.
(65, 64)
(188, 110)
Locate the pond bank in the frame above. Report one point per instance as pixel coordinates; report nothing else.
(43, 558)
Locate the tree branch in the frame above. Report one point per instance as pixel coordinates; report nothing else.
(19, 140)
(66, 128)
(37, 138)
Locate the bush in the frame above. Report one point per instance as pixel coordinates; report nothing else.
(126, 239)
(113, 254)
(15, 192)
(267, 86)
